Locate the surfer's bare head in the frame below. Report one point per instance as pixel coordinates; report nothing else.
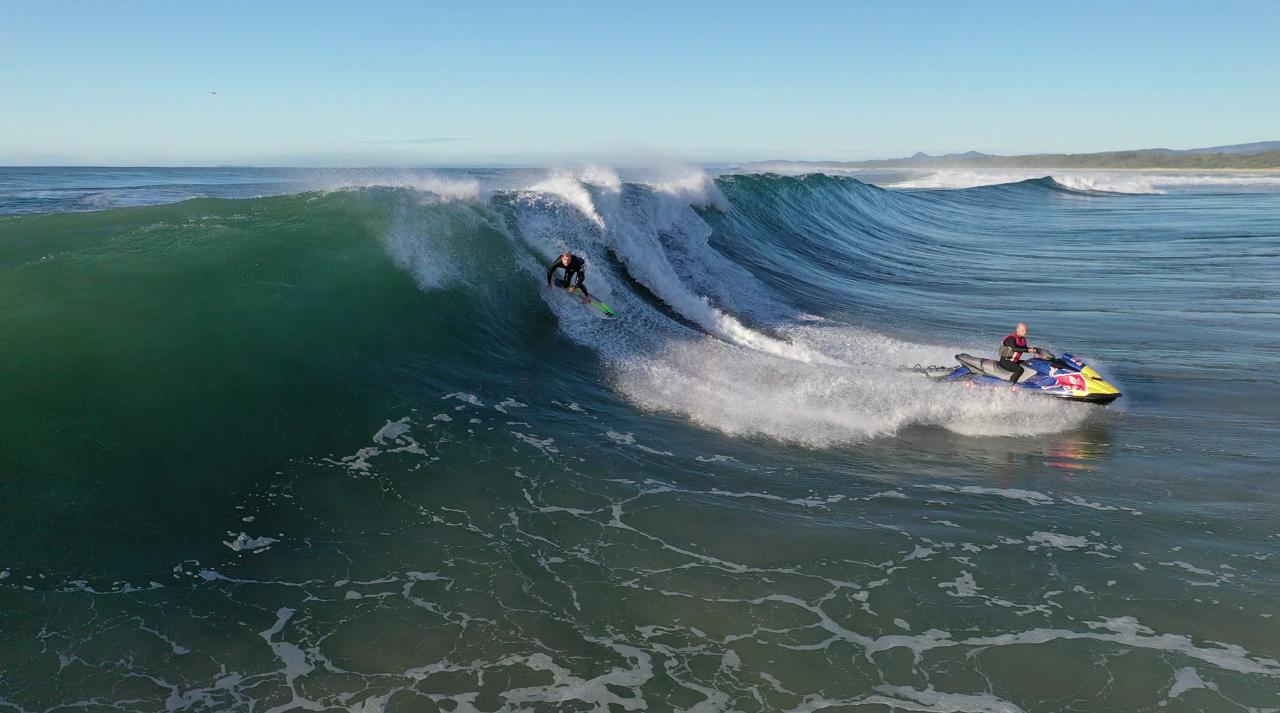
(565, 257)
(1021, 330)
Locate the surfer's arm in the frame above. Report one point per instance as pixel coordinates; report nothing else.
(1008, 342)
(580, 286)
(552, 271)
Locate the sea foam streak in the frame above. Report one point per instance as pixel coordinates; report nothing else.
(1090, 181)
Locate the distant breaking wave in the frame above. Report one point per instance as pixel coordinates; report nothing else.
(1096, 181)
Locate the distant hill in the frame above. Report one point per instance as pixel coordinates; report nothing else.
(1261, 155)
(1253, 148)
(1248, 149)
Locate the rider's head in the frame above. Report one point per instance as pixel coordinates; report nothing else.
(1021, 331)
(566, 257)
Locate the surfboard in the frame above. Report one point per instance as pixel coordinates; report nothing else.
(605, 309)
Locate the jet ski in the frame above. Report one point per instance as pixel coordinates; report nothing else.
(1065, 377)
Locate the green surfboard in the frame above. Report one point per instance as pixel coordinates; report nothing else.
(605, 309)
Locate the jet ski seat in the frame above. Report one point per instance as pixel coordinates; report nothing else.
(991, 367)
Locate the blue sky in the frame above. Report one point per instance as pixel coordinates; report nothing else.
(320, 83)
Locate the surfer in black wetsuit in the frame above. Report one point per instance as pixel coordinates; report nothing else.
(572, 266)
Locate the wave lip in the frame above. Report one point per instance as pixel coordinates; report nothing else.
(1119, 182)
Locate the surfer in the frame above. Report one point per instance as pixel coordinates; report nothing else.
(1012, 349)
(572, 266)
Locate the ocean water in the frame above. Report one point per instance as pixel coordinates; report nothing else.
(277, 439)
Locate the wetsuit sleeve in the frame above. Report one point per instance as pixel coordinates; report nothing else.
(582, 275)
(1008, 342)
(551, 271)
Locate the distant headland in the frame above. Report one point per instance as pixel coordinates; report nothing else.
(1262, 155)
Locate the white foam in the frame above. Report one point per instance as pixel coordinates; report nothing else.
(435, 188)
(1190, 568)
(509, 403)
(1032, 497)
(1128, 632)
(295, 663)
(546, 445)
(245, 543)
(1077, 500)
(908, 698)
(695, 187)
(601, 177)
(391, 431)
(962, 586)
(464, 397)
(1058, 540)
(803, 502)
(628, 439)
(912, 699)
(1138, 182)
(1217, 577)
(749, 392)
(1188, 679)
(570, 188)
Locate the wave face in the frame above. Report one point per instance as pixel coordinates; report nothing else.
(342, 449)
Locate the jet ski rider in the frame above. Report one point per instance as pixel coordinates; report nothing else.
(1012, 349)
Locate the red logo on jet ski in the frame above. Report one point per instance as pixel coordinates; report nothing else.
(1073, 382)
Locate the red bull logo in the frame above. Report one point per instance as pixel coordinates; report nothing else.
(1072, 382)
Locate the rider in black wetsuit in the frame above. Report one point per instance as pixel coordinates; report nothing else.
(1012, 349)
(572, 265)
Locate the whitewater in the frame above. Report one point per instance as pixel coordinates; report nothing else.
(280, 439)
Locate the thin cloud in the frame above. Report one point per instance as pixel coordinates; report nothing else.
(431, 140)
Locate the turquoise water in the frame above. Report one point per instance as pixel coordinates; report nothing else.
(278, 439)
